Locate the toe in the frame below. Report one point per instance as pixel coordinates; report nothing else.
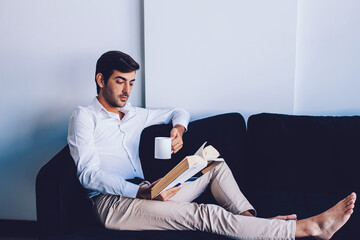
(350, 211)
(352, 195)
(349, 207)
(352, 201)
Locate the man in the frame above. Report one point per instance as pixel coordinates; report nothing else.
(104, 140)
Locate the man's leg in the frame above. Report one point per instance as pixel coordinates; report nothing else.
(122, 213)
(223, 187)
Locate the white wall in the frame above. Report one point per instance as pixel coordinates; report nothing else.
(328, 58)
(211, 56)
(48, 52)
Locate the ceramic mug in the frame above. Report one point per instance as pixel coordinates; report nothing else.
(163, 148)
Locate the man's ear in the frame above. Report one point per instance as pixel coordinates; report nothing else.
(100, 80)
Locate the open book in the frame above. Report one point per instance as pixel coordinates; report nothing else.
(203, 160)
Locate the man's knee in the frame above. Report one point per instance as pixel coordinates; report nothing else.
(221, 166)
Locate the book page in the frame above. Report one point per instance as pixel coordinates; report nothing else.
(208, 153)
(200, 151)
(211, 154)
(185, 176)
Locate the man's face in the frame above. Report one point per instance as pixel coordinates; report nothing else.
(118, 88)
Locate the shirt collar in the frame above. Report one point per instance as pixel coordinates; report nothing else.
(127, 108)
(98, 107)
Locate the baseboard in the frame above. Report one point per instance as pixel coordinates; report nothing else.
(18, 228)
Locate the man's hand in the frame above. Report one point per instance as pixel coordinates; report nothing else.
(166, 195)
(176, 136)
(145, 192)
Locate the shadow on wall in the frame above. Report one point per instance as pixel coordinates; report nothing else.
(21, 158)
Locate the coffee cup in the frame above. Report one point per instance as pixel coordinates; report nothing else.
(162, 148)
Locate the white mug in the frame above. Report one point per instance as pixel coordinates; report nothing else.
(163, 148)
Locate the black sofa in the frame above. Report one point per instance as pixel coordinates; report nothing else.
(284, 164)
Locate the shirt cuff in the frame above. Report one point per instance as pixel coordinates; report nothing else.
(131, 190)
(183, 123)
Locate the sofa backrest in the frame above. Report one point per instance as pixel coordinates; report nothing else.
(301, 152)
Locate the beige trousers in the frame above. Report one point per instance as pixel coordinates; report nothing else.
(180, 213)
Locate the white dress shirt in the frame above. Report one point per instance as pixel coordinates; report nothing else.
(106, 149)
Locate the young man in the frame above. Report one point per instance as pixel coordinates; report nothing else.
(104, 139)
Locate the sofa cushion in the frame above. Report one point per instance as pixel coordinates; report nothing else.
(304, 153)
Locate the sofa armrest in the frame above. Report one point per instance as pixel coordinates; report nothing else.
(61, 202)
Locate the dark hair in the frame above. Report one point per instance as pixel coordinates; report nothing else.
(114, 60)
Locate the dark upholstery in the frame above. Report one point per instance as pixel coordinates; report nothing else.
(283, 164)
(60, 199)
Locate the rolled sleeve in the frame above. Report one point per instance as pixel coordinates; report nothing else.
(164, 116)
(181, 117)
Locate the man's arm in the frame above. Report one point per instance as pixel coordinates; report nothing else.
(145, 192)
(84, 153)
(180, 120)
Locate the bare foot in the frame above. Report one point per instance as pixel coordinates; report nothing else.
(287, 217)
(324, 225)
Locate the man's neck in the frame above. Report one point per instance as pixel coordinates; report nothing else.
(108, 107)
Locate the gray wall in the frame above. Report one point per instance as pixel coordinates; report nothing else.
(48, 53)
